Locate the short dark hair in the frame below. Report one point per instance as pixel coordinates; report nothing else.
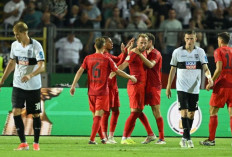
(151, 37)
(106, 37)
(100, 42)
(190, 32)
(225, 36)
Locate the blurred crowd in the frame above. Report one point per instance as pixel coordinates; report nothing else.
(163, 15)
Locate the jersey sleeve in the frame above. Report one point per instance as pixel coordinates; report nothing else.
(155, 57)
(39, 53)
(12, 56)
(174, 59)
(113, 66)
(217, 55)
(84, 64)
(203, 57)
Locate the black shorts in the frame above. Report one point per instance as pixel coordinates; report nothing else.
(28, 98)
(187, 101)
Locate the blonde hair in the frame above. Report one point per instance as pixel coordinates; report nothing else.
(100, 42)
(142, 35)
(20, 27)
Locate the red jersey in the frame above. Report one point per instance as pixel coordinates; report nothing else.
(224, 54)
(136, 67)
(154, 74)
(99, 68)
(118, 60)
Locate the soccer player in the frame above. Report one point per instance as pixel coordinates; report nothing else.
(188, 61)
(136, 91)
(153, 84)
(222, 88)
(114, 102)
(27, 61)
(98, 67)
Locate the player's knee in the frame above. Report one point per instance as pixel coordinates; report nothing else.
(36, 115)
(16, 111)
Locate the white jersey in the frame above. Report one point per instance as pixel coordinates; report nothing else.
(26, 62)
(189, 66)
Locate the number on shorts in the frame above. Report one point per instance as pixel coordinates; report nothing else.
(37, 106)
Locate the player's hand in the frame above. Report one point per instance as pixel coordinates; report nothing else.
(72, 90)
(112, 74)
(26, 78)
(133, 79)
(129, 42)
(210, 82)
(137, 51)
(168, 93)
(123, 48)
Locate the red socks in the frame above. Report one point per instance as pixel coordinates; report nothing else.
(213, 122)
(144, 121)
(95, 127)
(114, 120)
(130, 124)
(104, 122)
(160, 125)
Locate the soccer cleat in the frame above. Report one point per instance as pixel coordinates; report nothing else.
(131, 141)
(183, 143)
(149, 139)
(92, 142)
(207, 143)
(125, 141)
(190, 144)
(23, 146)
(111, 140)
(160, 141)
(103, 141)
(36, 146)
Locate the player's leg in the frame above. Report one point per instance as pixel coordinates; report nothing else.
(104, 124)
(230, 113)
(34, 107)
(160, 123)
(113, 124)
(18, 100)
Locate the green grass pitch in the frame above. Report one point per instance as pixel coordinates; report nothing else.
(66, 146)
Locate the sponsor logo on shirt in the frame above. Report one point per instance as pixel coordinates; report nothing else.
(23, 60)
(190, 65)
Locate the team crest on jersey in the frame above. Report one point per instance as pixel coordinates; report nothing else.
(41, 55)
(191, 65)
(206, 59)
(196, 56)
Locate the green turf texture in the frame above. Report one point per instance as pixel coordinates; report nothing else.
(55, 146)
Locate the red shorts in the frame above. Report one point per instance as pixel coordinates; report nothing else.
(136, 93)
(152, 96)
(220, 96)
(98, 103)
(113, 98)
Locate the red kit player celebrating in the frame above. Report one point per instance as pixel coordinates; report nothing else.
(136, 91)
(98, 67)
(114, 102)
(222, 88)
(153, 84)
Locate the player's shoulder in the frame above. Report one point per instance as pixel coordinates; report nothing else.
(199, 49)
(35, 42)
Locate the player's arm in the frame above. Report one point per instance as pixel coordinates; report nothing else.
(9, 68)
(40, 69)
(171, 76)
(125, 75)
(147, 62)
(76, 79)
(121, 67)
(208, 75)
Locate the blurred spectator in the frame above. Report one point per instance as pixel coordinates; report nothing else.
(207, 13)
(183, 11)
(136, 22)
(224, 4)
(229, 15)
(58, 9)
(85, 37)
(74, 15)
(12, 12)
(210, 50)
(145, 7)
(94, 15)
(161, 8)
(170, 40)
(46, 22)
(69, 49)
(198, 17)
(108, 6)
(115, 22)
(124, 6)
(32, 17)
(212, 5)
